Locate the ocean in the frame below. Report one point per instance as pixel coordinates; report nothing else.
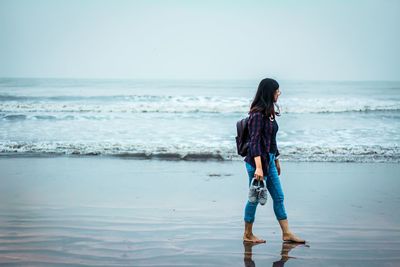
(195, 120)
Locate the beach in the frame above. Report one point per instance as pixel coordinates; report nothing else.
(106, 211)
(122, 125)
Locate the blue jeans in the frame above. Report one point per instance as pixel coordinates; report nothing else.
(274, 189)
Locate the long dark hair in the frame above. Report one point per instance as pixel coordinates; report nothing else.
(264, 99)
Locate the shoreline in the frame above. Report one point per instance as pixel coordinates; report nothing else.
(175, 157)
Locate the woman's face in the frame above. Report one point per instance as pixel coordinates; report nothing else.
(276, 95)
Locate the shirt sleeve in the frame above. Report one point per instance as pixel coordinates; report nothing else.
(255, 127)
(277, 154)
(274, 147)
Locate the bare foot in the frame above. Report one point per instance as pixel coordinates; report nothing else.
(252, 239)
(290, 237)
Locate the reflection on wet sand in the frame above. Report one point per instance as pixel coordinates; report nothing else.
(286, 248)
(248, 247)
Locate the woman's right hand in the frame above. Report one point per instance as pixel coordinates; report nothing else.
(258, 174)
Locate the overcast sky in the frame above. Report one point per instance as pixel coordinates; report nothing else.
(314, 40)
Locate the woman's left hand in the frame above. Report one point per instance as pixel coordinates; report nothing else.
(278, 166)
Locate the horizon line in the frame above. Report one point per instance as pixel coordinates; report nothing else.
(194, 79)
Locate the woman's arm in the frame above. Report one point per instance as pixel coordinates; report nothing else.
(259, 173)
(278, 166)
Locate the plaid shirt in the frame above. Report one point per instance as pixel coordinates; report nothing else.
(262, 139)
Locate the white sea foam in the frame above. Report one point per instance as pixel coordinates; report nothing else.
(305, 153)
(190, 104)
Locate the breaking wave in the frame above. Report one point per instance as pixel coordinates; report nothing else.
(355, 153)
(182, 104)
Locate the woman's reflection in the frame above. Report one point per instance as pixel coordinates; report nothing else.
(286, 248)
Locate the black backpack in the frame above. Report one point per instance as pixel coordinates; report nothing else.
(242, 138)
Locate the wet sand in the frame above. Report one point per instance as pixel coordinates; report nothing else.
(94, 211)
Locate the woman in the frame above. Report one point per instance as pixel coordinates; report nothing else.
(262, 160)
